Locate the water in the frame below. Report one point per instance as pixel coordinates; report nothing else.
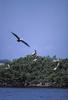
(33, 94)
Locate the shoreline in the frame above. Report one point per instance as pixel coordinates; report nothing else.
(31, 86)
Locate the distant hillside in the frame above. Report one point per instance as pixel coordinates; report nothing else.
(4, 60)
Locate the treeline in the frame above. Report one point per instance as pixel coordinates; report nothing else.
(35, 71)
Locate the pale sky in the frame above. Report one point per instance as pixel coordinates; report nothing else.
(42, 23)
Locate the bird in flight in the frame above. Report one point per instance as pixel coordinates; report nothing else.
(20, 40)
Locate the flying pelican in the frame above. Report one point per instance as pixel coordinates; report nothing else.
(20, 40)
(56, 66)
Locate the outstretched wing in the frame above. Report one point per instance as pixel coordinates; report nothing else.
(25, 43)
(15, 35)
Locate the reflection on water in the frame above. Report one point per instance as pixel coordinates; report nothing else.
(33, 94)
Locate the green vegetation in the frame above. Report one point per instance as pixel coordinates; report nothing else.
(35, 71)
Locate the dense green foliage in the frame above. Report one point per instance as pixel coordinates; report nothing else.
(34, 70)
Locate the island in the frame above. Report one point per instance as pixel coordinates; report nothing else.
(34, 71)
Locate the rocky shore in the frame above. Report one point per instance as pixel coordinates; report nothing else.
(27, 85)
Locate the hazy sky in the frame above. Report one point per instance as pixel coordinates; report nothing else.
(42, 23)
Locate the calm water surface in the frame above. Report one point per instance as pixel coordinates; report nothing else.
(33, 94)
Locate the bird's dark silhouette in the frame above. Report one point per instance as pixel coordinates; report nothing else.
(20, 40)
